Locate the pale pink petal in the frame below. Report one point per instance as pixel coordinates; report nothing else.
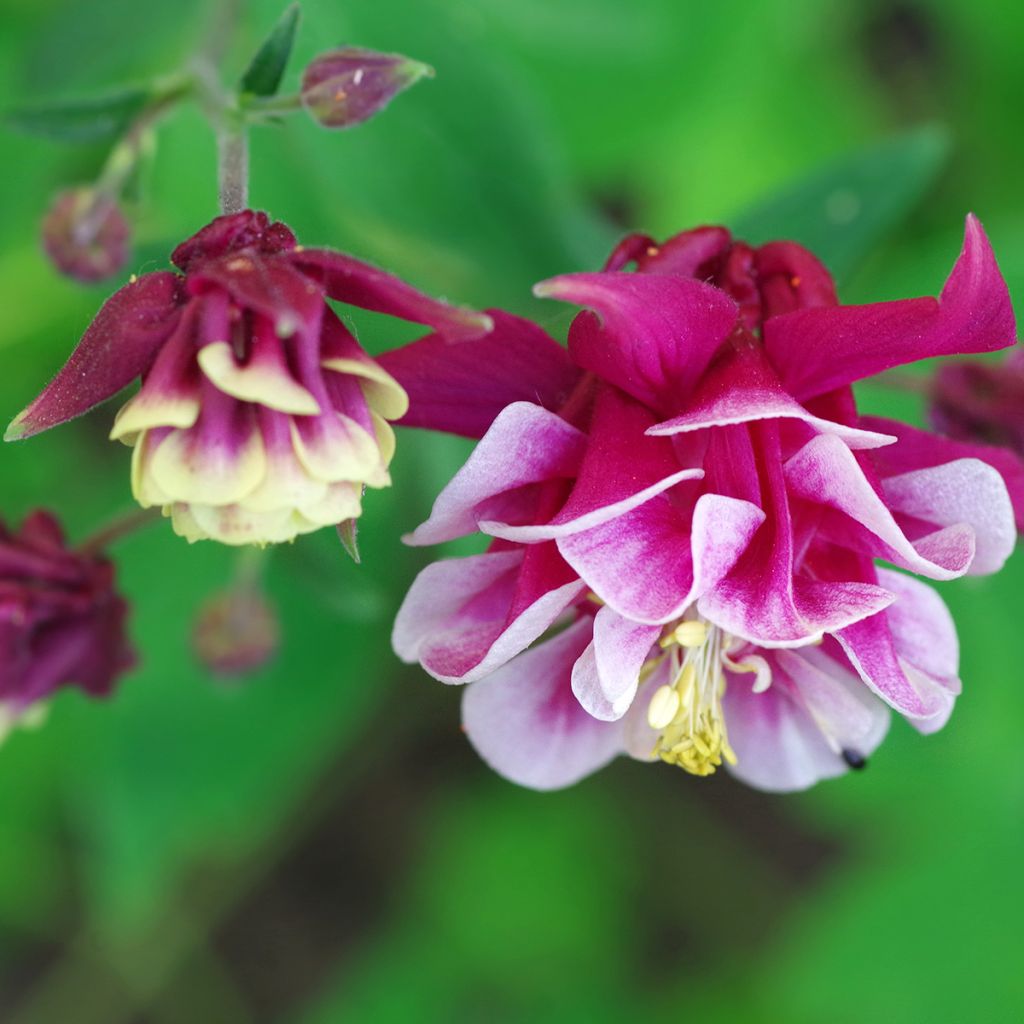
(526, 724)
(605, 677)
(525, 445)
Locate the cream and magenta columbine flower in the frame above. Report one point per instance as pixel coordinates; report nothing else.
(260, 417)
(706, 508)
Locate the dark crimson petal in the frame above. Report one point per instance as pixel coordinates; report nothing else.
(652, 335)
(119, 345)
(347, 279)
(791, 278)
(461, 388)
(235, 231)
(266, 285)
(919, 449)
(816, 350)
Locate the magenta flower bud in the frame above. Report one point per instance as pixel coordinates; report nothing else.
(236, 632)
(260, 416)
(61, 620)
(85, 235)
(348, 86)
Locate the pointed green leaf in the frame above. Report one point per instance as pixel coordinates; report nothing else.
(263, 76)
(842, 211)
(91, 119)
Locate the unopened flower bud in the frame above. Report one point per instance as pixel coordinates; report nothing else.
(973, 401)
(348, 86)
(85, 235)
(236, 632)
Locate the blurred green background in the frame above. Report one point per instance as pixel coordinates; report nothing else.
(317, 843)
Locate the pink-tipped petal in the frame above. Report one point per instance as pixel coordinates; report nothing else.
(606, 676)
(347, 279)
(817, 350)
(649, 568)
(460, 389)
(118, 346)
(526, 724)
(649, 334)
(525, 445)
(456, 619)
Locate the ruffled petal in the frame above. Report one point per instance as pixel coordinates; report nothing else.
(526, 724)
(817, 350)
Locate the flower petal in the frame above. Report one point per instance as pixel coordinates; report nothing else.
(606, 676)
(347, 279)
(742, 387)
(526, 724)
(460, 389)
(525, 445)
(456, 619)
(817, 350)
(118, 346)
(650, 334)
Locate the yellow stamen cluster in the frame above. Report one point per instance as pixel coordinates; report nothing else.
(687, 713)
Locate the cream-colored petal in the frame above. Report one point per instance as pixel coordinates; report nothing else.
(145, 490)
(151, 409)
(237, 525)
(208, 473)
(287, 484)
(342, 501)
(342, 450)
(383, 393)
(260, 382)
(385, 437)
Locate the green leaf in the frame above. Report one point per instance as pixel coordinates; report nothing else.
(844, 210)
(92, 119)
(263, 76)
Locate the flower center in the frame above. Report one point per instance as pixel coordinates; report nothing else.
(687, 712)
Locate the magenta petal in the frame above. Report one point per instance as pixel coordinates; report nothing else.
(606, 676)
(118, 346)
(525, 445)
(646, 565)
(460, 389)
(651, 335)
(920, 449)
(455, 620)
(817, 350)
(825, 471)
(742, 387)
(347, 279)
(526, 724)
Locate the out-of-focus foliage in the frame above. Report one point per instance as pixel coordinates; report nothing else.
(316, 844)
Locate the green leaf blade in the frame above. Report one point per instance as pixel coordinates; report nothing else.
(92, 119)
(265, 71)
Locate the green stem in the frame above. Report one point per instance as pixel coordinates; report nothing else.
(120, 526)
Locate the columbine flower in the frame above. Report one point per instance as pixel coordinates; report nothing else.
(260, 417)
(709, 473)
(61, 620)
(85, 235)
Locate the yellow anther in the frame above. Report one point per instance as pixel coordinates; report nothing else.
(663, 708)
(692, 633)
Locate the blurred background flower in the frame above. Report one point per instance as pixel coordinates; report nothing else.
(320, 844)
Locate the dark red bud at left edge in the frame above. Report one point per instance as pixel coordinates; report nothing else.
(85, 235)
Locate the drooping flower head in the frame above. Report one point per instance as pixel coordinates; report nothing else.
(706, 507)
(62, 623)
(260, 417)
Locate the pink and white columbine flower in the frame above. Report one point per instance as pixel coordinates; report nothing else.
(260, 417)
(705, 506)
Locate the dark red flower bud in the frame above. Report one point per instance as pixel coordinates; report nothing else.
(85, 235)
(980, 402)
(348, 86)
(235, 632)
(61, 620)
